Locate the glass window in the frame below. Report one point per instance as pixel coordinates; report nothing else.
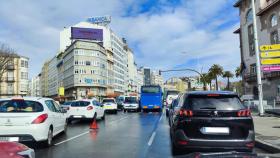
(50, 106)
(22, 63)
(20, 106)
(251, 40)
(253, 69)
(249, 16)
(108, 101)
(199, 102)
(130, 100)
(150, 90)
(273, 20)
(274, 37)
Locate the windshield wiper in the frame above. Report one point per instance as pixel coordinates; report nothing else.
(211, 108)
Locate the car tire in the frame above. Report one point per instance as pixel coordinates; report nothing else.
(116, 112)
(49, 141)
(167, 112)
(103, 117)
(124, 111)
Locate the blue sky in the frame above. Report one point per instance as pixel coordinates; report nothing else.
(164, 34)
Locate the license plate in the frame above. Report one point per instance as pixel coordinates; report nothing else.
(10, 139)
(215, 130)
(77, 116)
(145, 107)
(156, 107)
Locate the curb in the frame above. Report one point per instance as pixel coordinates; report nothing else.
(267, 146)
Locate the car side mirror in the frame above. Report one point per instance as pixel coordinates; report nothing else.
(101, 105)
(63, 111)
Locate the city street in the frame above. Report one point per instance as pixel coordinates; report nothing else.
(121, 135)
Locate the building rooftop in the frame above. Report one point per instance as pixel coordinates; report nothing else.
(268, 7)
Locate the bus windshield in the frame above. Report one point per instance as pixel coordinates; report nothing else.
(150, 90)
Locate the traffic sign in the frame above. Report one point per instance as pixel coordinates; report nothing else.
(270, 61)
(271, 68)
(270, 47)
(270, 54)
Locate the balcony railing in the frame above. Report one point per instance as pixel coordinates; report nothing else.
(10, 67)
(10, 79)
(270, 75)
(250, 77)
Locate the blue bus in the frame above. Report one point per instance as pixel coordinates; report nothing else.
(151, 98)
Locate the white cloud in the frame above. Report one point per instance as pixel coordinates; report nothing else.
(32, 28)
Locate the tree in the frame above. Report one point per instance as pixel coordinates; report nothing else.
(228, 75)
(238, 72)
(7, 55)
(217, 71)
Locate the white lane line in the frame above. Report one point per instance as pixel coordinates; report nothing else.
(160, 117)
(152, 139)
(77, 136)
(67, 140)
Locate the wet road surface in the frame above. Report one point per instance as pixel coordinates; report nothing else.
(122, 135)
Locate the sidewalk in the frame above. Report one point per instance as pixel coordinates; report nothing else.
(267, 133)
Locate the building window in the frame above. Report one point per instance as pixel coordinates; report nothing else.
(92, 71)
(76, 62)
(253, 69)
(22, 63)
(76, 71)
(249, 16)
(273, 20)
(274, 37)
(87, 63)
(26, 64)
(251, 40)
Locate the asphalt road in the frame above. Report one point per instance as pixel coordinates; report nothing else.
(121, 135)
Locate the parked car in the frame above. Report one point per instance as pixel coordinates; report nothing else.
(131, 103)
(15, 150)
(110, 105)
(31, 119)
(170, 96)
(66, 105)
(211, 120)
(86, 109)
(120, 100)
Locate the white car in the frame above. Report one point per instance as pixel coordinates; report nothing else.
(85, 109)
(31, 119)
(130, 103)
(110, 105)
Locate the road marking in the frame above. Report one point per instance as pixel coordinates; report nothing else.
(87, 132)
(67, 140)
(152, 138)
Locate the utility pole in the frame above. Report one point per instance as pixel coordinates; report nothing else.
(258, 66)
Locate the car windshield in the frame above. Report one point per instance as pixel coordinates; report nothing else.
(150, 89)
(80, 103)
(67, 103)
(108, 101)
(130, 100)
(20, 106)
(172, 93)
(199, 102)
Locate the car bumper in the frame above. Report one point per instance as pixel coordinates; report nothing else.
(25, 133)
(182, 141)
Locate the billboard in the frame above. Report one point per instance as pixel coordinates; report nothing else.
(86, 33)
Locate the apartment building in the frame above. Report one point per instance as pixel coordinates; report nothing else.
(267, 13)
(14, 81)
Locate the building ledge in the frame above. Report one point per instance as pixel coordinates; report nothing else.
(237, 4)
(268, 7)
(237, 31)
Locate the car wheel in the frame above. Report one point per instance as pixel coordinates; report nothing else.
(124, 110)
(49, 141)
(94, 116)
(116, 111)
(167, 113)
(103, 117)
(175, 150)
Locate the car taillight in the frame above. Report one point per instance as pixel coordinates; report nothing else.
(40, 119)
(89, 108)
(244, 113)
(187, 113)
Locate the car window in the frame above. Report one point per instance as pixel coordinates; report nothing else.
(20, 106)
(130, 100)
(57, 106)
(95, 103)
(198, 102)
(51, 106)
(108, 101)
(174, 103)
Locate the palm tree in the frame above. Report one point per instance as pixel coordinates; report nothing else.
(216, 70)
(228, 75)
(238, 72)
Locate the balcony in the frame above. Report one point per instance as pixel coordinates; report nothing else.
(10, 79)
(271, 75)
(250, 77)
(10, 67)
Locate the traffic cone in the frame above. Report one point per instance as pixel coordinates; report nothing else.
(94, 125)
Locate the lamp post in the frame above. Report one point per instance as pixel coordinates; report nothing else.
(258, 67)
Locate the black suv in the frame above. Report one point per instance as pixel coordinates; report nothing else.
(214, 120)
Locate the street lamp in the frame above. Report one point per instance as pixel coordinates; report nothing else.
(259, 77)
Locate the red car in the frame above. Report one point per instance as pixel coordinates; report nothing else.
(15, 150)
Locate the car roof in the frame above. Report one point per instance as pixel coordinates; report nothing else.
(28, 98)
(211, 92)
